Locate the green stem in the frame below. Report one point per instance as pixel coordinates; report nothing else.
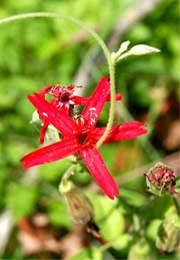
(112, 105)
(106, 246)
(66, 185)
(111, 63)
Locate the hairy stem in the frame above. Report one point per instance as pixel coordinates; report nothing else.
(112, 106)
(65, 185)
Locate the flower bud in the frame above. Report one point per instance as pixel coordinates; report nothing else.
(160, 178)
(142, 49)
(168, 235)
(123, 48)
(141, 251)
(35, 117)
(79, 206)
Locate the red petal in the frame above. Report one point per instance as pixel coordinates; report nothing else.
(98, 170)
(80, 100)
(44, 91)
(97, 99)
(43, 130)
(57, 118)
(124, 131)
(83, 100)
(50, 153)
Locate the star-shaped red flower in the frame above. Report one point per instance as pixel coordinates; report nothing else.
(64, 99)
(80, 136)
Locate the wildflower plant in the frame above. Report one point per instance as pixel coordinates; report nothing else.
(79, 138)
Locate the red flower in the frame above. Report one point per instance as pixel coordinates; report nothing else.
(80, 136)
(64, 99)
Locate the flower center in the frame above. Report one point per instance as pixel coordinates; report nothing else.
(82, 138)
(64, 97)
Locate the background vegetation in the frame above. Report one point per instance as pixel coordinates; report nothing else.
(39, 52)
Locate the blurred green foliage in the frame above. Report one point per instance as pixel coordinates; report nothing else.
(58, 215)
(22, 200)
(39, 52)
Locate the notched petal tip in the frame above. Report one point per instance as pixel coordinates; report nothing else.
(32, 98)
(25, 167)
(113, 193)
(23, 160)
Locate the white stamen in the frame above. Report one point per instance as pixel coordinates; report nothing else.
(92, 115)
(92, 109)
(44, 114)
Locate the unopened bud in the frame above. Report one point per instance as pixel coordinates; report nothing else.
(79, 206)
(123, 48)
(160, 178)
(140, 251)
(168, 234)
(142, 49)
(35, 118)
(52, 134)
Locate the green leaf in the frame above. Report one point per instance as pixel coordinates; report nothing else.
(158, 208)
(107, 216)
(133, 198)
(22, 200)
(152, 229)
(90, 253)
